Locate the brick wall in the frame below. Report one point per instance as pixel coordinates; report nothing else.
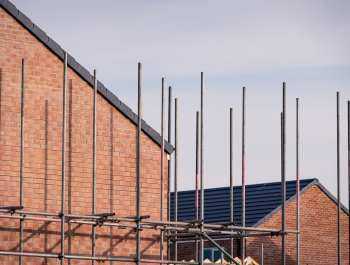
(318, 238)
(116, 157)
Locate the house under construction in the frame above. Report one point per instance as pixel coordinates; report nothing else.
(84, 179)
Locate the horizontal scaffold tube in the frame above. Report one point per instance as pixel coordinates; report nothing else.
(250, 228)
(32, 218)
(102, 259)
(29, 213)
(190, 227)
(167, 261)
(113, 224)
(27, 254)
(217, 236)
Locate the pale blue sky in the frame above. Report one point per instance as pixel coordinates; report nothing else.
(257, 44)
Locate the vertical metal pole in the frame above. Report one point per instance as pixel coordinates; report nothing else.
(22, 159)
(284, 178)
(169, 167)
(281, 152)
(138, 204)
(262, 254)
(338, 179)
(162, 172)
(63, 157)
(94, 167)
(243, 175)
(349, 165)
(197, 180)
(176, 162)
(231, 176)
(201, 254)
(298, 185)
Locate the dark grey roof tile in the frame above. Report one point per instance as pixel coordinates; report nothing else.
(112, 98)
(144, 125)
(126, 110)
(106, 95)
(11, 8)
(259, 205)
(41, 35)
(330, 195)
(71, 62)
(168, 146)
(85, 74)
(154, 134)
(25, 20)
(55, 48)
(100, 88)
(133, 118)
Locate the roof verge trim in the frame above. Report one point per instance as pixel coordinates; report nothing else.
(291, 199)
(82, 72)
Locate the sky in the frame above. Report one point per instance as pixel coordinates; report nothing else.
(256, 44)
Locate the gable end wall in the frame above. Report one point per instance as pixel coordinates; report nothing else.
(318, 238)
(116, 156)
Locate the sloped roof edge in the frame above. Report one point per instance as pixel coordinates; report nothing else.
(291, 199)
(83, 73)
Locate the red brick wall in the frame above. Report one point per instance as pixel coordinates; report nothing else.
(116, 157)
(318, 238)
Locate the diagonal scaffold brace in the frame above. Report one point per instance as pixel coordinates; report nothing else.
(221, 249)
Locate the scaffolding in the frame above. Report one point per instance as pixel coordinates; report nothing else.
(176, 231)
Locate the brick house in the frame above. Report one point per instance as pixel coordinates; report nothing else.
(116, 151)
(318, 222)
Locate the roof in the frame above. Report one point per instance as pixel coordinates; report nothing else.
(82, 72)
(262, 201)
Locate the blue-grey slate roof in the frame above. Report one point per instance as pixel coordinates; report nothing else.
(262, 201)
(82, 72)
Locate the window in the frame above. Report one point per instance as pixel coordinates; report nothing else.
(213, 254)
